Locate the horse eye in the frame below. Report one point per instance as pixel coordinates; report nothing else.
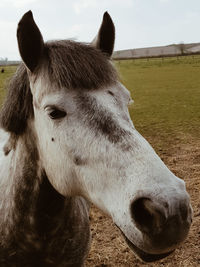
(57, 114)
(110, 93)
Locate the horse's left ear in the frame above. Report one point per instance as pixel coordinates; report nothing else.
(106, 36)
(30, 41)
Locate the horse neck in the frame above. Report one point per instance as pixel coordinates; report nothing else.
(26, 192)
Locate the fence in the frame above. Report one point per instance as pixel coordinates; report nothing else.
(160, 51)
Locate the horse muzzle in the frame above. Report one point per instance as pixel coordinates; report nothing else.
(163, 227)
(162, 223)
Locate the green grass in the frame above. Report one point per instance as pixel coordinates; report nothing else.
(4, 79)
(166, 94)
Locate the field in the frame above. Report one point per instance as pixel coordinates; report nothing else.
(4, 78)
(167, 113)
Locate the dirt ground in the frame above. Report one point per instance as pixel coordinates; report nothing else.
(108, 246)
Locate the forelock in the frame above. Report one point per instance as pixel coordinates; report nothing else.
(76, 65)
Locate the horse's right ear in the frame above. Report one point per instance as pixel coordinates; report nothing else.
(30, 41)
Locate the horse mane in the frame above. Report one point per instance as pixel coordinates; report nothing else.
(17, 107)
(67, 64)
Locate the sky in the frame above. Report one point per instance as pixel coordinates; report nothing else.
(138, 23)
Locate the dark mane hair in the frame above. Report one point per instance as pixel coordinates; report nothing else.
(17, 107)
(76, 65)
(68, 64)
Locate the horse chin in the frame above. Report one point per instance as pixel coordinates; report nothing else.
(146, 257)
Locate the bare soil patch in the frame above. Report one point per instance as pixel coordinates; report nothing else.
(108, 246)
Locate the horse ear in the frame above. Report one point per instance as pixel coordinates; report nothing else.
(106, 36)
(30, 41)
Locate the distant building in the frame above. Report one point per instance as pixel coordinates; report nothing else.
(9, 62)
(159, 51)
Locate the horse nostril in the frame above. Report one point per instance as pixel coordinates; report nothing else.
(183, 211)
(147, 216)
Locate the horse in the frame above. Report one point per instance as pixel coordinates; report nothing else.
(67, 140)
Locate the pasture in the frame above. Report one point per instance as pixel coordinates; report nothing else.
(4, 78)
(167, 113)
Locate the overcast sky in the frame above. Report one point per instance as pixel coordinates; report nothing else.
(139, 23)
